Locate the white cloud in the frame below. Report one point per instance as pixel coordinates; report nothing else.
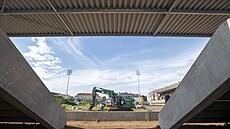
(43, 59)
(118, 80)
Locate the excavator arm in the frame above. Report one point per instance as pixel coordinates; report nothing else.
(96, 90)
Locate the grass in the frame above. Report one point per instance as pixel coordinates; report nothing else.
(84, 107)
(69, 107)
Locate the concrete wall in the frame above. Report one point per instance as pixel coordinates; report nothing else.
(113, 116)
(20, 86)
(204, 82)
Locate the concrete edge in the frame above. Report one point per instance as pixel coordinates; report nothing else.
(21, 87)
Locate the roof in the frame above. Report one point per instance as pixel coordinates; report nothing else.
(169, 88)
(85, 94)
(54, 93)
(126, 93)
(198, 18)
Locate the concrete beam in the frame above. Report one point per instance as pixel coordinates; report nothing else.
(21, 87)
(95, 11)
(207, 80)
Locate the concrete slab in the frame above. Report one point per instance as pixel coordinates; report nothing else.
(206, 81)
(21, 87)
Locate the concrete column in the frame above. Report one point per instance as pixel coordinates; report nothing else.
(206, 81)
(21, 87)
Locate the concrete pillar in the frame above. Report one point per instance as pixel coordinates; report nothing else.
(205, 82)
(21, 87)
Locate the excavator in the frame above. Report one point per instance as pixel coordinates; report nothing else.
(118, 103)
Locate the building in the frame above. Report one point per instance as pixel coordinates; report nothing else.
(156, 97)
(135, 97)
(85, 96)
(126, 94)
(57, 94)
(62, 95)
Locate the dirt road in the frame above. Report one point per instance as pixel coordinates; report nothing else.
(153, 108)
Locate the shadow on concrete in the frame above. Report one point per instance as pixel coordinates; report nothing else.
(71, 127)
(204, 127)
(21, 126)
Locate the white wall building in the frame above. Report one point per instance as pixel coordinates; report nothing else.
(85, 96)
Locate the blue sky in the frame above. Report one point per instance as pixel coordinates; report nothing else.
(109, 62)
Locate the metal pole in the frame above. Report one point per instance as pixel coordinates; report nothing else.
(67, 87)
(60, 18)
(138, 74)
(139, 89)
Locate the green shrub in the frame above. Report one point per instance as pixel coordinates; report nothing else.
(60, 100)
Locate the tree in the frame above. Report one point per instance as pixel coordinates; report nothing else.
(61, 100)
(87, 101)
(103, 98)
(78, 99)
(145, 97)
(69, 102)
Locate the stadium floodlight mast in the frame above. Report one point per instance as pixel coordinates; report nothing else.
(138, 82)
(69, 72)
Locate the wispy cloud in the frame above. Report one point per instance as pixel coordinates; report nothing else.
(73, 47)
(119, 57)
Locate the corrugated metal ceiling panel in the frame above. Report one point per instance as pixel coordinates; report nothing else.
(213, 5)
(108, 4)
(26, 5)
(113, 17)
(192, 24)
(113, 22)
(32, 24)
(86, 4)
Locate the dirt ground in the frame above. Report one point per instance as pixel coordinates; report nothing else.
(115, 124)
(137, 125)
(153, 108)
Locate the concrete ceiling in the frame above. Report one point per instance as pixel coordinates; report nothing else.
(189, 18)
(217, 111)
(10, 113)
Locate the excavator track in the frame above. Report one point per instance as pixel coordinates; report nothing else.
(120, 109)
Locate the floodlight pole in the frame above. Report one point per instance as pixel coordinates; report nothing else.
(138, 82)
(69, 72)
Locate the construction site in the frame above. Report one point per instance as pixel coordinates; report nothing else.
(201, 100)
